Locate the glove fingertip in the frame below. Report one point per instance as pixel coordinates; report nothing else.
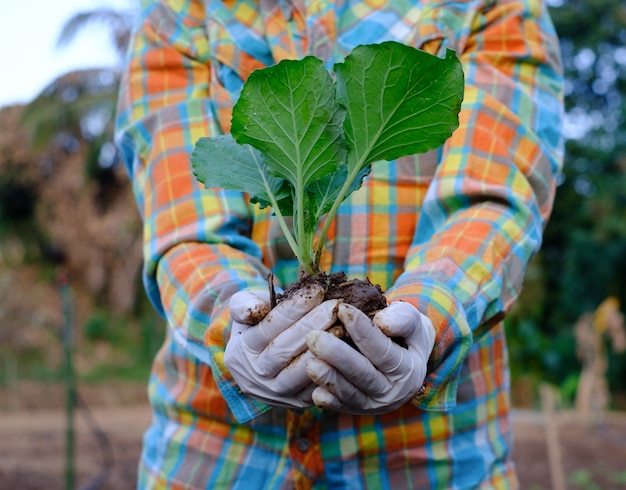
(316, 369)
(399, 319)
(313, 340)
(348, 313)
(325, 399)
(248, 308)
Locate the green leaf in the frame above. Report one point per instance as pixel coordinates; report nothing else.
(311, 215)
(399, 101)
(288, 112)
(221, 162)
(325, 191)
(284, 199)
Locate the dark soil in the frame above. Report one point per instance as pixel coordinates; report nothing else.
(364, 295)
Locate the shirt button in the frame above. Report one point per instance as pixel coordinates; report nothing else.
(303, 445)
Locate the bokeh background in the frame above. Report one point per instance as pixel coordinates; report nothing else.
(77, 334)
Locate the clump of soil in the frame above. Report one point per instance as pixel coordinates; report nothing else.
(364, 295)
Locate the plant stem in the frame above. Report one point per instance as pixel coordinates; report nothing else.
(298, 213)
(333, 210)
(285, 229)
(301, 244)
(314, 263)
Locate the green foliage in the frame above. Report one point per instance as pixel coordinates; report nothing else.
(585, 242)
(619, 477)
(97, 328)
(588, 479)
(583, 259)
(311, 142)
(142, 335)
(583, 479)
(131, 343)
(27, 364)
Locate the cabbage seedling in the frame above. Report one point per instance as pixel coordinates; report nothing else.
(301, 143)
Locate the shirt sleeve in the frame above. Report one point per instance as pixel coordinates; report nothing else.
(484, 213)
(197, 245)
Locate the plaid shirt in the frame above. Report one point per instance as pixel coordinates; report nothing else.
(450, 231)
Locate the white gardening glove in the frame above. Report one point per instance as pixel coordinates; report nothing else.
(384, 375)
(268, 360)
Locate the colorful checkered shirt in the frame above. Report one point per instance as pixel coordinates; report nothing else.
(450, 231)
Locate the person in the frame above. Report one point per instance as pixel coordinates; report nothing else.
(447, 235)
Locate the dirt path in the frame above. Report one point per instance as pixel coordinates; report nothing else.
(32, 450)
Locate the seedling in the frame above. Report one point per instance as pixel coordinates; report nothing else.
(301, 143)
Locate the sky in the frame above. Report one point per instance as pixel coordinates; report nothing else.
(29, 56)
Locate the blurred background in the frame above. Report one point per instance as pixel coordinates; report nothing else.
(77, 334)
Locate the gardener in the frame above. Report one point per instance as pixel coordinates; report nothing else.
(447, 235)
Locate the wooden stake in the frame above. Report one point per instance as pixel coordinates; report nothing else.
(555, 459)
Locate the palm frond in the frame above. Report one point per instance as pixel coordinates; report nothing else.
(117, 22)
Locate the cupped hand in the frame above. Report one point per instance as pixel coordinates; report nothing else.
(268, 359)
(381, 375)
